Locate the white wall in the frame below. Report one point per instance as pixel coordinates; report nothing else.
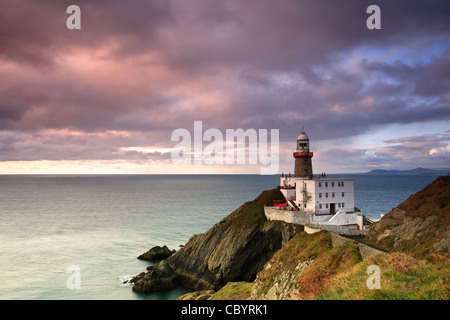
(343, 190)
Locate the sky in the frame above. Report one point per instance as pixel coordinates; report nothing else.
(107, 98)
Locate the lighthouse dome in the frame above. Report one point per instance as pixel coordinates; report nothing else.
(303, 136)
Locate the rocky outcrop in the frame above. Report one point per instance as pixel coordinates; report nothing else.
(157, 253)
(158, 277)
(304, 267)
(420, 225)
(235, 249)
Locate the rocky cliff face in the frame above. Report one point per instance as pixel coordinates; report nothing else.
(235, 249)
(303, 268)
(420, 225)
(262, 259)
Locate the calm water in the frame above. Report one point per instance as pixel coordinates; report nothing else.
(100, 224)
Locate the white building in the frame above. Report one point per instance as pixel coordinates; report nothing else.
(317, 199)
(319, 194)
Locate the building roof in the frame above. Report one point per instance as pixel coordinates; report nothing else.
(302, 136)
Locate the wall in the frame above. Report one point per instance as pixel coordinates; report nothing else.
(347, 188)
(365, 250)
(297, 217)
(343, 230)
(342, 218)
(306, 218)
(337, 239)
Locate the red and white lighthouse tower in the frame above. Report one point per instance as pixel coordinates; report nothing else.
(302, 155)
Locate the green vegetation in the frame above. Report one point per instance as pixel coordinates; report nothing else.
(302, 247)
(252, 213)
(234, 291)
(317, 250)
(403, 277)
(339, 273)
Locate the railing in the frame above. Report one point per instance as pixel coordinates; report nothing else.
(302, 154)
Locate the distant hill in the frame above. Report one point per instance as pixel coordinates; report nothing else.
(411, 171)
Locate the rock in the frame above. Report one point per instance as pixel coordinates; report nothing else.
(234, 249)
(420, 225)
(161, 277)
(136, 278)
(156, 253)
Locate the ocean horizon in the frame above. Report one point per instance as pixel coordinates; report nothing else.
(51, 225)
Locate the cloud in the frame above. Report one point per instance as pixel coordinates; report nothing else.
(431, 150)
(145, 68)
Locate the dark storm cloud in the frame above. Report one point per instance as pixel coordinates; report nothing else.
(153, 66)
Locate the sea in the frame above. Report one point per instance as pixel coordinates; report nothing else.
(77, 237)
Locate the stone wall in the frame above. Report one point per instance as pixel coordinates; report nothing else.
(296, 217)
(306, 218)
(365, 250)
(343, 230)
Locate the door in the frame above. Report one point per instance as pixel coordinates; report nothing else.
(332, 208)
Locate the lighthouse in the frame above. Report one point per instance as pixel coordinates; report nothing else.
(317, 201)
(302, 155)
(318, 194)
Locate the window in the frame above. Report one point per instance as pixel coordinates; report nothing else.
(326, 205)
(343, 204)
(342, 183)
(320, 206)
(320, 184)
(339, 183)
(326, 184)
(343, 194)
(332, 194)
(320, 195)
(332, 184)
(326, 195)
(339, 204)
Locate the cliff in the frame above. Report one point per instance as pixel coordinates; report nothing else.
(327, 266)
(420, 225)
(244, 256)
(314, 266)
(234, 249)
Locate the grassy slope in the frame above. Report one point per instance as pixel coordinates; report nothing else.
(431, 202)
(327, 262)
(339, 273)
(254, 210)
(234, 291)
(403, 277)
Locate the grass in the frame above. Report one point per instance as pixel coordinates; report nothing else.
(403, 277)
(314, 280)
(234, 291)
(252, 212)
(326, 262)
(339, 273)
